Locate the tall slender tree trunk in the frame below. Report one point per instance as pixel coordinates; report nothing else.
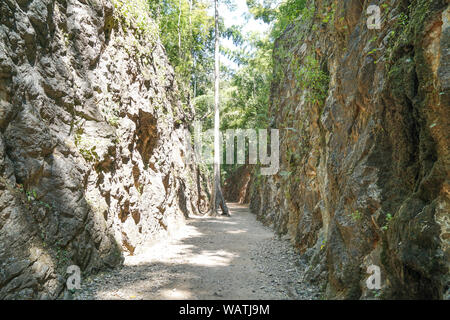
(190, 16)
(179, 30)
(217, 197)
(194, 78)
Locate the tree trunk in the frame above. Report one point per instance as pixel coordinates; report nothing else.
(217, 197)
(179, 30)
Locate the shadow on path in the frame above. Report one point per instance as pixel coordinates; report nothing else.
(209, 258)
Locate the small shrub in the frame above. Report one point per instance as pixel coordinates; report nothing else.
(388, 219)
(356, 215)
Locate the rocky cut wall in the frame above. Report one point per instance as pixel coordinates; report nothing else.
(364, 125)
(91, 140)
(237, 185)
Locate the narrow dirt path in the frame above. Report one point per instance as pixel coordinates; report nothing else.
(210, 258)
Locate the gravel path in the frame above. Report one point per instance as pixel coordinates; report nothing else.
(210, 258)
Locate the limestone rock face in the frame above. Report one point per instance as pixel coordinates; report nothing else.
(92, 143)
(364, 127)
(238, 185)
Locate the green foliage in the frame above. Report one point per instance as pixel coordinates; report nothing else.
(324, 244)
(62, 257)
(388, 219)
(89, 154)
(328, 14)
(402, 19)
(133, 14)
(246, 94)
(187, 32)
(408, 29)
(356, 215)
(113, 121)
(280, 13)
(313, 80)
(87, 148)
(31, 195)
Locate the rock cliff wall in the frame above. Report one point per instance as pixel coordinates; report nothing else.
(365, 161)
(91, 140)
(238, 185)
